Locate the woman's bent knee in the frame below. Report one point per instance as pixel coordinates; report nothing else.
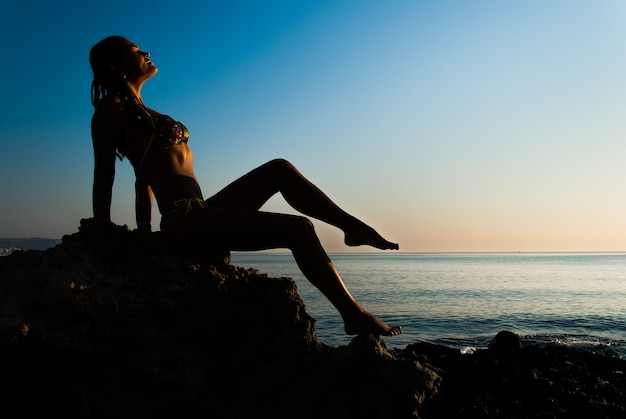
(305, 223)
(281, 165)
(300, 227)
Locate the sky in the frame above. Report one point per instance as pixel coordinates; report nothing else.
(448, 125)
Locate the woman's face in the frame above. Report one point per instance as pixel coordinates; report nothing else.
(136, 64)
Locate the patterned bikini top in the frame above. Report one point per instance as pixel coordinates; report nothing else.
(166, 132)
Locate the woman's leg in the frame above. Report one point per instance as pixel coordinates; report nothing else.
(257, 230)
(253, 190)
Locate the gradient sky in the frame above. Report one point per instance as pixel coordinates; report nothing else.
(447, 125)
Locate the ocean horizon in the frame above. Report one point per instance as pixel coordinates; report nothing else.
(463, 299)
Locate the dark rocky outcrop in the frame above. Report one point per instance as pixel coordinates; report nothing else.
(550, 382)
(182, 333)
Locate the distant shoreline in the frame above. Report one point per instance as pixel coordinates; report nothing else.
(28, 243)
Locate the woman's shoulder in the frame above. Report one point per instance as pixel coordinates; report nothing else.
(108, 110)
(108, 114)
(109, 104)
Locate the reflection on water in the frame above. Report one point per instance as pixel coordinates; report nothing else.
(465, 299)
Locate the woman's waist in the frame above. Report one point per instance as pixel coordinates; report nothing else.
(177, 160)
(175, 189)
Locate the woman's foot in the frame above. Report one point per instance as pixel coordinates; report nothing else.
(366, 322)
(366, 235)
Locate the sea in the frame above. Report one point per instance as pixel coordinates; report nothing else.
(462, 300)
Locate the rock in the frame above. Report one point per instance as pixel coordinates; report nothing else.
(531, 382)
(178, 332)
(181, 333)
(505, 341)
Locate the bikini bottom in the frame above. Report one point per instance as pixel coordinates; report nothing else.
(187, 204)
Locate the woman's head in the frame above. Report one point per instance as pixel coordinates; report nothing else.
(115, 61)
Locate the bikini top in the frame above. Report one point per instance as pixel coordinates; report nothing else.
(166, 132)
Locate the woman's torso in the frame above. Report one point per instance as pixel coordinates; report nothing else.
(157, 148)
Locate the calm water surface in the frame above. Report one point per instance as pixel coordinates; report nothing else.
(464, 299)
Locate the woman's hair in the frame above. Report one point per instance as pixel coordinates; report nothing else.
(102, 55)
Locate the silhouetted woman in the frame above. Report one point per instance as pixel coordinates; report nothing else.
(156, 146)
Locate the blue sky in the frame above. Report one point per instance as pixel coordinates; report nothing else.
(448, 125)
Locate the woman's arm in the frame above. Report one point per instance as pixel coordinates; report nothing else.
(104, 140)
(143, 204)
(105, 136)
